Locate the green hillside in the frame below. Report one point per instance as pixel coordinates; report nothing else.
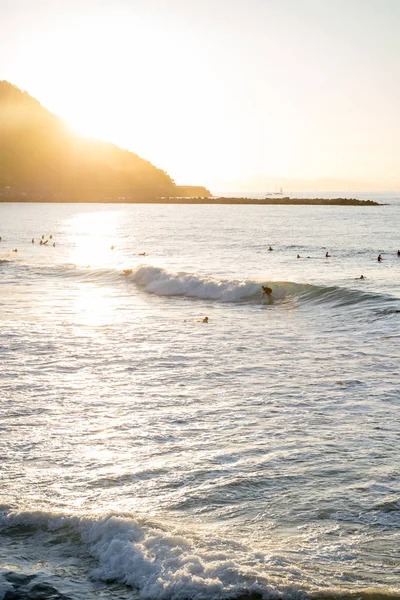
(41, 158)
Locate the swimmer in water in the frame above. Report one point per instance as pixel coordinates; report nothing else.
(266, 290)
(379, 258)
(327, 255)
(298, 256)
(33, 240)
(204, 320)
(143, 254)
(270, 249)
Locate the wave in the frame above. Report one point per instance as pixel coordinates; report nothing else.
(161, 563)
(159, 281)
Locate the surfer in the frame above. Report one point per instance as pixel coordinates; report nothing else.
(203, 320)
(379, 258)
(327, 255)
(298, 256)
(398, 251)
(362, 277)
(267, 290)
(270, 249)
(33, 240)
(142, 254)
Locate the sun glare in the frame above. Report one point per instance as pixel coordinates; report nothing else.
(92, 238)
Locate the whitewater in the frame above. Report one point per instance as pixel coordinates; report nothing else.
(147, 454)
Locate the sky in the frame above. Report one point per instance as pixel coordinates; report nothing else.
(232, 94)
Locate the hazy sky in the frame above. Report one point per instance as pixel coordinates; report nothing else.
(224, 93)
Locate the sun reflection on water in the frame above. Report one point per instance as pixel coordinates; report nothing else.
(92, 238)
(94, 307)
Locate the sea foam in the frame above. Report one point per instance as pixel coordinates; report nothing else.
(162, 564)
(159, 281)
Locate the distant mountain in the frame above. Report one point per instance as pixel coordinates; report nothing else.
(41, 159)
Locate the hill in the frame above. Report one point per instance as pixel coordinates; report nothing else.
(41, 159)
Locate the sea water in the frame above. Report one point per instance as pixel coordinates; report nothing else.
(146, 454)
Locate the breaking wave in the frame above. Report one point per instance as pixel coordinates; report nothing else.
(161, 282)
(160, 563)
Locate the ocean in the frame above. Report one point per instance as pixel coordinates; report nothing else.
(148, 454)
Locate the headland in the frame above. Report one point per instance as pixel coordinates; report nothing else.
(41, 160)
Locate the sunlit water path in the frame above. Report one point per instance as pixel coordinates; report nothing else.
(145, 453)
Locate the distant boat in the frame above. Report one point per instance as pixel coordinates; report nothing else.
(275, 193)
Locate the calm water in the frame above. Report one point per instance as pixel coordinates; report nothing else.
(147, 454)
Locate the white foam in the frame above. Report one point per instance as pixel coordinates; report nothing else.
(164, 283)
(162, 565)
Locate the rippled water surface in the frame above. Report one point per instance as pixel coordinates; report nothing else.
(148, 454)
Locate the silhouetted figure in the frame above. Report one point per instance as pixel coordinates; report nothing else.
(379, 258)
(398, 251)
(327, 255)
(270, 249)
(298, 256)
(42, 237)
(54, 244)
(51, 236)
(1, 239)
(205, 320)
(33, 240)
(15, 250)
(266, 290)
(362, 277)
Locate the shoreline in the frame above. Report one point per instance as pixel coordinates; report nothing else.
(286, 201)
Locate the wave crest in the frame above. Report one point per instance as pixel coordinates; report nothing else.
(159, 281)
(161, 564)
